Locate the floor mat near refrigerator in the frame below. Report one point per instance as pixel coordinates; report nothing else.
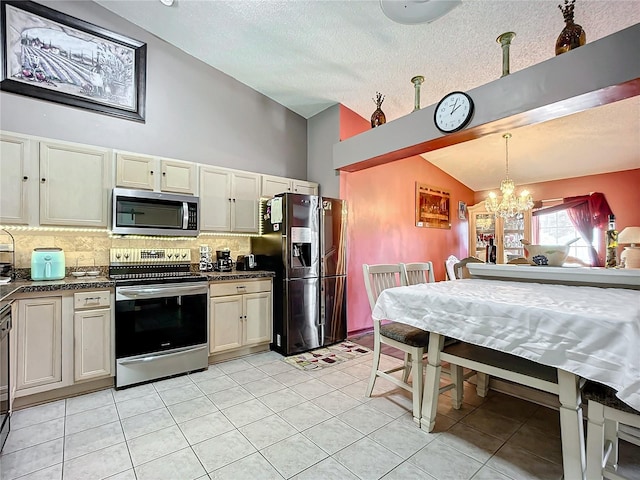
(327, 356)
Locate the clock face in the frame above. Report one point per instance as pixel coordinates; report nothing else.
(453, 112)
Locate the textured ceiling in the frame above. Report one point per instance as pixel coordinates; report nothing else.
(308, 55)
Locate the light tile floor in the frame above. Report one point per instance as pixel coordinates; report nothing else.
(259, 418)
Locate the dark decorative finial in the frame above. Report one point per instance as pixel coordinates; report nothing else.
(378, 100)
(567, 10)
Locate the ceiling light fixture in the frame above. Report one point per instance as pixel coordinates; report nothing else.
(510, 204)
(412, 12)
(166, 3)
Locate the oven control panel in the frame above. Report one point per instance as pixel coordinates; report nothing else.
(149, 255)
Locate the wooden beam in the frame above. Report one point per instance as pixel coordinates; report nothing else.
(599, 73)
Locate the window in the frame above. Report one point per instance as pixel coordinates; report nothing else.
(556, 229)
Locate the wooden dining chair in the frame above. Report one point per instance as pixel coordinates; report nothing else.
(606, 415)
(460, 269)
(448, 267)
(418, 272)
(410, 340)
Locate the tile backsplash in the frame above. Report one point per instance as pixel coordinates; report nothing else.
(89, 248)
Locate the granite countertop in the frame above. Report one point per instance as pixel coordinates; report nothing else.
(237, 275)
(83, 283)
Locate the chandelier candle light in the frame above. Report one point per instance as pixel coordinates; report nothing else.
(510, 204)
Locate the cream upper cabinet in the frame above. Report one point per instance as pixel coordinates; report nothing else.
(39, 344)
(177, 176)
(143, 172)
(92, 335)
(75, 184)
(272, 185)
(305, 188)
(137, 172)
(239, 314)
(229, 200)
(15, 177)
(506, 234)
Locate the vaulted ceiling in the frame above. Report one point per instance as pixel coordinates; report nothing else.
(310, 54)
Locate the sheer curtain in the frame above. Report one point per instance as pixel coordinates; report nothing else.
(586, 212)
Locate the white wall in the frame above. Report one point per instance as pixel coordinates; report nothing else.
(323, 130)
(193, 112)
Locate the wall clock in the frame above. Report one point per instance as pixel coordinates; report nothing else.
(453, 112)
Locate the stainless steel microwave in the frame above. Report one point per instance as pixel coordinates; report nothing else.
(139, 212)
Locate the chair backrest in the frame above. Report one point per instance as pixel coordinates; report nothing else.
(460, 269)
(380, 277)
(448, 267)
(415, 273)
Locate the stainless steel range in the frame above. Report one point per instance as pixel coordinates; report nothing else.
(160, 314)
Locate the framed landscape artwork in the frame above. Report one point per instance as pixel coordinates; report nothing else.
(51, 56)
(432, 207)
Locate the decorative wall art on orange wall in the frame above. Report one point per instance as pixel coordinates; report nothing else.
(432, 206)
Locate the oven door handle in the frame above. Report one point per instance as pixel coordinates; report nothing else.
(159, 292)
(158, 356)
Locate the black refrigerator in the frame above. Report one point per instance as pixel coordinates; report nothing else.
(304, 243)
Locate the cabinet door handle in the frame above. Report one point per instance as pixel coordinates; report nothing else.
(91, 299)
(164, 174)
(229, 199)
(43, 180)
(233, 200)
(151, 172)
(241, 287)
(25, 178)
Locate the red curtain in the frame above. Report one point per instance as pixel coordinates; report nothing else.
(586, 212)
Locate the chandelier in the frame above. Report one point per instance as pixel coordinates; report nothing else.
(509, 204)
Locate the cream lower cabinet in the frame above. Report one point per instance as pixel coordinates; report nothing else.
(92, 350)
(240, 315)
(39, 345)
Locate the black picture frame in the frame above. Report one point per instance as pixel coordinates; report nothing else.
(52, 56)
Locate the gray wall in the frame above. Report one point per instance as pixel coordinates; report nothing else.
(323, 130)
(193, 112)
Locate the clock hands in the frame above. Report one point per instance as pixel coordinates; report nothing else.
(455, 107)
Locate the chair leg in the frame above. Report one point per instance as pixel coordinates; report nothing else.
(611, 437)
(482, 384)
(374, 367)
(417, 386)
(595, 441)
(407, 367)
(457, 377)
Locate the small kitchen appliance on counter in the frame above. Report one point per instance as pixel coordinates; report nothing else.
(47, 264)
(246, 262)
(223, 261)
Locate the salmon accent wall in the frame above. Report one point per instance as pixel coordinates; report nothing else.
(381, 219)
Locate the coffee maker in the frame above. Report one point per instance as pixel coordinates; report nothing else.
(223, 261)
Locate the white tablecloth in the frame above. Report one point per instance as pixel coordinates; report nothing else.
(589, 331)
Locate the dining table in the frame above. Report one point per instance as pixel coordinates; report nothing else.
(577, 332)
